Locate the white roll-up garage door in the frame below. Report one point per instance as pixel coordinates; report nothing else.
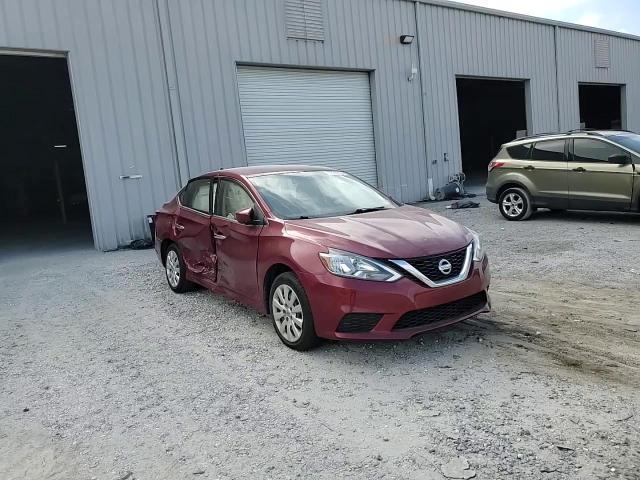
(308, 117)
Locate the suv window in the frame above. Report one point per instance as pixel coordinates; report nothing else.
(552, 150)
(519, 152)
(628, 140)
(588, 150)
(233, 197)
(197, 195)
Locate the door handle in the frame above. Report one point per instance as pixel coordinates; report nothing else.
(579, 169)
(529, 167)
(218, 236)
(179, 227)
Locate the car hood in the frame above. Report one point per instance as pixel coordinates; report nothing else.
(403, 232)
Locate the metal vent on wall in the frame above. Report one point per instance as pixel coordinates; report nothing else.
(601, 51)
(305, 19)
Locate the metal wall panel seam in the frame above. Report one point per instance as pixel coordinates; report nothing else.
(173, 93)
(423, 93)
(555, 59)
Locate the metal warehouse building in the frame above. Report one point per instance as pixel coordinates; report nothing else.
(109, 106)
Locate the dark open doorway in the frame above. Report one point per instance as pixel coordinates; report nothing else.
(601, 106)
(42, 186)
(491, 112)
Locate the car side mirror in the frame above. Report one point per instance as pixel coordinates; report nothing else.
(620, 159)
(248, 217)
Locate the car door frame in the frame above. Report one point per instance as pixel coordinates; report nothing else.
(584, 200)
(223, 230)
(196, 246)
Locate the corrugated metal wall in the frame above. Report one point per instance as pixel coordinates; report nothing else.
(120, 92)
(463, 43)
(156, 88)
(211, 37)
(577, 64)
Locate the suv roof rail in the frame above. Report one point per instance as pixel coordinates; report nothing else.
(587, 131)
(535, 135)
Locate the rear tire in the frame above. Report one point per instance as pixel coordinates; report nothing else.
(291, 313)
(515, 204)
(176, 271)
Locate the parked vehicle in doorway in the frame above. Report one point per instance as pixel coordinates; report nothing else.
(579, 170)
(324, 253)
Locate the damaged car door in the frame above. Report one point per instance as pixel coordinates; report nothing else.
(192, 229)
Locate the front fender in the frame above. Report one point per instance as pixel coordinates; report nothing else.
(299, 256)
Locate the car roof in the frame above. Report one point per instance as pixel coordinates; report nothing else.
(570, 134)
(266, 169)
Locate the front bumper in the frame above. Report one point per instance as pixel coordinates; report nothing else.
(333, 297)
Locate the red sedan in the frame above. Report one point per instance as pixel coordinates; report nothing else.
(324, 253)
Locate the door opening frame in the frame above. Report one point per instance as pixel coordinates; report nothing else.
(37, 53)
(623, 99)
(527, 102)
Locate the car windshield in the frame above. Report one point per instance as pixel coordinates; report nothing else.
(317, 194)
(627, 140)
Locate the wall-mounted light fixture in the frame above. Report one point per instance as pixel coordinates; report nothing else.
(406, 39)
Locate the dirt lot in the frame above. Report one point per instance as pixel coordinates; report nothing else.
(105, 374)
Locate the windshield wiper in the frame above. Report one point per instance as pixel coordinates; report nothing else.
(366, 210)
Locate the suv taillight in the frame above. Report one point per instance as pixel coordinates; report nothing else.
(495, 164)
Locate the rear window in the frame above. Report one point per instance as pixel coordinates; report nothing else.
(551, 150)
(197, 195)
(519, 152)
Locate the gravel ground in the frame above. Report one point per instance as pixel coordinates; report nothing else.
(106, 374)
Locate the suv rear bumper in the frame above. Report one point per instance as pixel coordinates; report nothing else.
(492, 194)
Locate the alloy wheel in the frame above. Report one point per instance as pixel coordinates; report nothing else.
(173, 268)
(287, 313)
(513, 204)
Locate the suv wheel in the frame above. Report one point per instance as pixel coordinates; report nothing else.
(515, 204)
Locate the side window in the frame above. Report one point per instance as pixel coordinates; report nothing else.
(197, 195)
(587, 150)
(232, 198)
(519, 152)
(552, 150)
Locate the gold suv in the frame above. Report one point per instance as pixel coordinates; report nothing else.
(579, 170)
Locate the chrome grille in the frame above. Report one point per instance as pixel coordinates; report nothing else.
(428, 269)
(428, 266)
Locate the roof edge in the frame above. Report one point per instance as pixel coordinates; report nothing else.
(525, 18)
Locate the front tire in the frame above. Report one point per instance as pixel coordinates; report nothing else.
(515, 204)
(291, 313)
(176, 271)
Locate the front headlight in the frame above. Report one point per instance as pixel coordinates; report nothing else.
(345, 264)
(478, 250)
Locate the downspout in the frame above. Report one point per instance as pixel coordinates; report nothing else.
(171, 80)
(430, 193)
